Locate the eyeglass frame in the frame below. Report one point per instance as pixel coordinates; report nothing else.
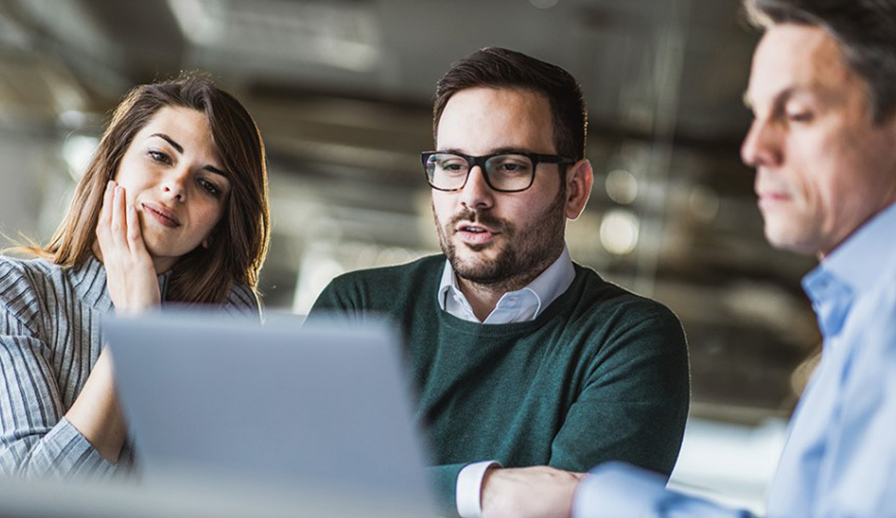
(473, 161)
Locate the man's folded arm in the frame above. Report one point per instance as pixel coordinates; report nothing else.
(633, 404)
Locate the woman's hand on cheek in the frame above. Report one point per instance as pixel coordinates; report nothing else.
(131, 276)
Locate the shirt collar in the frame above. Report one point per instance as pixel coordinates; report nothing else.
(549, 285)
(867, 253)
(853, 267)
(447, 284)
(553, 281)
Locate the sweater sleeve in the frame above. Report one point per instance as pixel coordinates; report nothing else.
(634, 402)
(35, 439)
(443, 480)
(341, 299)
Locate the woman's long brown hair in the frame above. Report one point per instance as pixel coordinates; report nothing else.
(238, 243)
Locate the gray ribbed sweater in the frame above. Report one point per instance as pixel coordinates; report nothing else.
(49, 341)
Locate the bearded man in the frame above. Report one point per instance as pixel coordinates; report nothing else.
(529, 368)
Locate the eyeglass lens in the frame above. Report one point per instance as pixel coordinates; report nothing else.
(505, 172)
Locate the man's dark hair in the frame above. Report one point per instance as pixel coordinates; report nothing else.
(865, 29)
(494, 67)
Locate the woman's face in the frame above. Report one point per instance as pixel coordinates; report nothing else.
(173, 177)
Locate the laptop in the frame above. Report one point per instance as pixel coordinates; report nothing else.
(319, 406)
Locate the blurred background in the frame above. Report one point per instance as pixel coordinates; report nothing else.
(342, 91)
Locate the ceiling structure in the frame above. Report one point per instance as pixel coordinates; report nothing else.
(342, 93)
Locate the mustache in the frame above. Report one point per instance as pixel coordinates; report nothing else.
(484, 218)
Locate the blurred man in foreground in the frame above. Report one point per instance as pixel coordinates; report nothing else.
(823, 142)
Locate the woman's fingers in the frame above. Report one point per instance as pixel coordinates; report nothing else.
(118, 225)
(105, 218)
(106, 209)
(135, 236)
(130, 274)
(118, 229)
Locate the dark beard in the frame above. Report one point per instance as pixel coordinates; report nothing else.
(526, 253)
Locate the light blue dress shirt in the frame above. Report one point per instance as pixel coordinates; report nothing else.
(840, 457)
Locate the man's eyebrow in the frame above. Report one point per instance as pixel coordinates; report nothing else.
(780, 99)
(510, 150)
(496, 151)
(175, 145)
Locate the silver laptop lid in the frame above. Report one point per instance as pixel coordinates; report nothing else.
(321, 406)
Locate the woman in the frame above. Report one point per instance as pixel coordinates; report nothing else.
(173, 208)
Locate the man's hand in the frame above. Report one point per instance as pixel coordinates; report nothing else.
(538, 491)
(131, 276)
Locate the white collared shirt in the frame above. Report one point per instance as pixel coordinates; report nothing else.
(516, 306)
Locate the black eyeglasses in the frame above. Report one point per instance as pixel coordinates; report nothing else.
(504, 172)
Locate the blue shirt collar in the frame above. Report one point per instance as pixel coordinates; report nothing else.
(853, 267)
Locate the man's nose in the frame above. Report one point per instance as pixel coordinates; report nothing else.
(761, 146)
(476, 193)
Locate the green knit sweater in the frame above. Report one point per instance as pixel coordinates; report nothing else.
(601, 374)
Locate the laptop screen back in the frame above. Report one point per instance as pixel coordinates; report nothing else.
(320, 405)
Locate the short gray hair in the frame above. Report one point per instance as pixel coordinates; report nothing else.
(865, 30)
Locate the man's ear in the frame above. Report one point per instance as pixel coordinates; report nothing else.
(579, 178)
